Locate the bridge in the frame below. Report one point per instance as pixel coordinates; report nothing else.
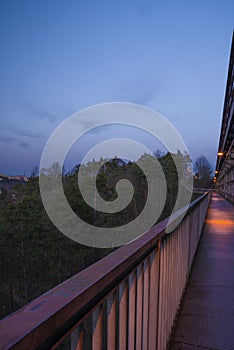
(163, 290)
(127, 300)
(133, 297)
(225, 160)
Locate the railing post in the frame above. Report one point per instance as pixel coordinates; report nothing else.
(159, 306)
(189, 245)
(97, 328)
(139, 307)
(111, 321)
(77, 339)
(132, 310)
(154, 298)
(145, 305)
(123, 314)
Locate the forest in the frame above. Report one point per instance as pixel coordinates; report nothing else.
(35, 256)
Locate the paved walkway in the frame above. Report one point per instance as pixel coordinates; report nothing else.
(206, 320)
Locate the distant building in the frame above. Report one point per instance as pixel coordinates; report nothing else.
(224, 174)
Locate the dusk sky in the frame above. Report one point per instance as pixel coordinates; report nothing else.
(60, 56)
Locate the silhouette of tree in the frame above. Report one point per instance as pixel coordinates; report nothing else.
(203, 172)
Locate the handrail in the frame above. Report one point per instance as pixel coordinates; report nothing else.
(46, 320)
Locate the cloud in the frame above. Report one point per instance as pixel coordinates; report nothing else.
(5, 139)
(39, 113)
(17, 136)
(140, 91)
(9, 140)
(26, 133)
(24, 145)
(96, 130)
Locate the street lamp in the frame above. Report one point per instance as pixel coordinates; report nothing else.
(220, 154)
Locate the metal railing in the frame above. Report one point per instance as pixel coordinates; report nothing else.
(127, 300)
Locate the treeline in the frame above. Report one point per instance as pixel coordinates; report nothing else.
(35, 256)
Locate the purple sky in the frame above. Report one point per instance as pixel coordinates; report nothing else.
(60, 56)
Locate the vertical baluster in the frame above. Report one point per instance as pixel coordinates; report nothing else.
(132, 310)
(123, 313)
(170, 273)
(97, 328)
(180, 264)
(169, 282)
(175, 259)
(164, 293)
(189, 243)
(161, 316)
(187, 247)
(139, 306)
(153, 298)
(111, 321)
(166, 289)
(77, 339)
(145, 305)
